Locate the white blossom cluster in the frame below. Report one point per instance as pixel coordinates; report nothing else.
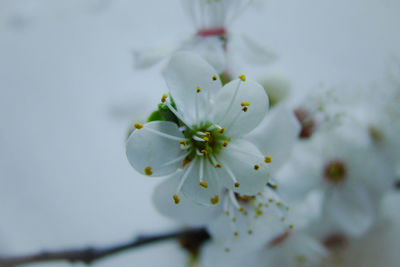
(275, 183)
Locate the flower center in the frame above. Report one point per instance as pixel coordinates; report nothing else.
(335, 171)
(206, 139)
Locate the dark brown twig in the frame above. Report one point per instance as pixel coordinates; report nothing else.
(92, 254)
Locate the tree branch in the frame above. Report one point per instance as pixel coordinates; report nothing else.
(91, 254)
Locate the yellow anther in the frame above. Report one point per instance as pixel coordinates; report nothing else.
(227, 213)
(245, 109)
(176, 199)
(242, 77)
(250, 232)
(204, 184)
(198, 89)
(214, 77)
(291, 226)
(138, 126)
(283, 219)
(278, 204)
(164, 97)
(268, 159)
(214, 200)
(204, 152)
(208, 133)
(206, 139)
(241, 209)
(222, 130)
(225, 143)
(248, 104)
(275, 186)
(270, 200)
(182, 142)
(259, 212)
(218, 165)
(148, 171)
(256, 167)
(235, 233)
(245, 104)
(237, 184)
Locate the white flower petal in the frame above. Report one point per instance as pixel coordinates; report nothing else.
(146, 58)
(228, 110)
(145, 148)
(351, 209)
(192, 189)
(256, 52)
(184, 73)
(186, 211)
(238, 161)
(210, 48)
(276, 135)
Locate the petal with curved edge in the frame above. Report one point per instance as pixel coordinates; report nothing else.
(351, 209)
(186, 73)
(146, 58)
(301, 175)
(233, 99)
(210, 48)
(186, 211)
(276, 135)
(239, 160)
(192, 188)
(257, 53)
(150, 150)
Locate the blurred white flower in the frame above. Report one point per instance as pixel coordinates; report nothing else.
(377, 247)
(235, 219)
(344, 165)
(290, 248)
(211, 20)
(210, 147)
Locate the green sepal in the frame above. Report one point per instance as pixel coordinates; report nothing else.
(167, 114)
(156, 116)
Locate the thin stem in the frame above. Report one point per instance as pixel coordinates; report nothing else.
(91, 254)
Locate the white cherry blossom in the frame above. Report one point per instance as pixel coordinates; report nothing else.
(211, 20)
(208, 150)
(343, 165)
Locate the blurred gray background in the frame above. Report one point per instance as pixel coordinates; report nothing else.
(68, 93)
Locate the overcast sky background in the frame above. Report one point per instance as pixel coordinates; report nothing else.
(68, 93)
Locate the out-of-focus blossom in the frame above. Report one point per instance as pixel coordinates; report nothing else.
(344, 165)
(211, 20)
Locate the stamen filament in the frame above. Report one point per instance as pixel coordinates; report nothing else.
(168, 136)
(232, 100)
(232, 176)
(195, 137)
(184, 177)
(201, 171)
(175, 160)
(177, 114)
